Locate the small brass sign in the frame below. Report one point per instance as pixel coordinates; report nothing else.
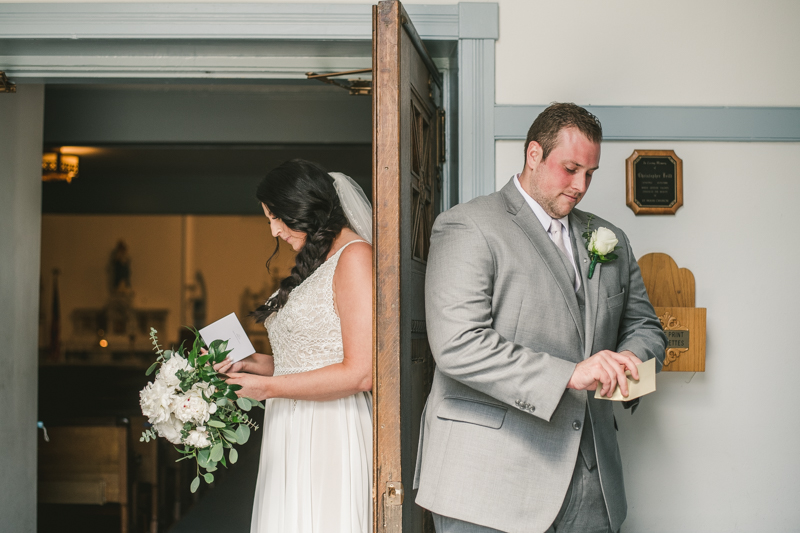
(677, 339)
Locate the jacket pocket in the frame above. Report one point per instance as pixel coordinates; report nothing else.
(616, 300)
(471, 412)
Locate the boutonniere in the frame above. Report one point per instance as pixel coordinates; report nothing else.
(600, 243)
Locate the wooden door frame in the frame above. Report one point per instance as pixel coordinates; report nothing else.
(407, 88)
(386, 390)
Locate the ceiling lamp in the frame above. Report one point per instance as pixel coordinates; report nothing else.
(59, 167)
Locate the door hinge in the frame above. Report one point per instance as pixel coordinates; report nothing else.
(442, 135)
(357, 86)
(394, 493)
(5, 84)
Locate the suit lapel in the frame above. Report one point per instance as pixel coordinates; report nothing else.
(530, 225)
(577, 224)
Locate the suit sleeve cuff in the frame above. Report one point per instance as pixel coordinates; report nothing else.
(549, 389)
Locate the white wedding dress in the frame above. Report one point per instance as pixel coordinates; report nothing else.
(315, 474)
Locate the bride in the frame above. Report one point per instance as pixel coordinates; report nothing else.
(315, 473)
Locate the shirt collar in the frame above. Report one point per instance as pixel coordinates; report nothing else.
(540, 213)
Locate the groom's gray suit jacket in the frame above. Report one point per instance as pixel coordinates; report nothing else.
(500, 432)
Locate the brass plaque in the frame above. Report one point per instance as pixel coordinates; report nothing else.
(654, 182)
(677, 339)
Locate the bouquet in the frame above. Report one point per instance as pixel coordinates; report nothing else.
(191, 405)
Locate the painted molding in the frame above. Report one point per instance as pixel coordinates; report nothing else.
(217, 21)
(665, 123)
(476, 116)
(37, 69)
(478, 20)
(182, 21)
(207, 41)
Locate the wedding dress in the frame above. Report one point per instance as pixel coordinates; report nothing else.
(315, 474)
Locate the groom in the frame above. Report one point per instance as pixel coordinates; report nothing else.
(512, 439)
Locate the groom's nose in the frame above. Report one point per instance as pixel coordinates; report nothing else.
(580, 182)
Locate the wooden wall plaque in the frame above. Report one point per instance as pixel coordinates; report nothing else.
(671, 291)
(654, 182)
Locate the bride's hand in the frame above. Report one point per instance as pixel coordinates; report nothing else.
(252, 386)
(227, 366)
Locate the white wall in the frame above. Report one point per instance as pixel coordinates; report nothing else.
(629, 52)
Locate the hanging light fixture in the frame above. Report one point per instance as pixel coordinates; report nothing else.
(59, 167)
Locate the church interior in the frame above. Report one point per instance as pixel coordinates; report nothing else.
(168, 235)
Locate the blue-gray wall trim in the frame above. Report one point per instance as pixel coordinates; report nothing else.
(476, 116)
(472, 20)
(478, 20)
(665, 123)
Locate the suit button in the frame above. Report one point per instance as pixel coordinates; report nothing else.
(576, 425)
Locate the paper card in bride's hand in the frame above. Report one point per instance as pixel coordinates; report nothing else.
(645, 385)
(229, 329)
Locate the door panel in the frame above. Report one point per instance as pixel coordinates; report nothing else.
(406, 185)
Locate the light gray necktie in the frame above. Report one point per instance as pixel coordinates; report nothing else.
(559, 237)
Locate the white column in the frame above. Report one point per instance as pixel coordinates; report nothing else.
(21, 130)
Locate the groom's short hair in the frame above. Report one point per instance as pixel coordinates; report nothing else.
(558, 116)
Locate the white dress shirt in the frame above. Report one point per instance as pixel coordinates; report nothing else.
(545, 220)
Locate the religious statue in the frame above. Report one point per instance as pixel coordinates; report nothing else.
(120, 268)
(199, 301)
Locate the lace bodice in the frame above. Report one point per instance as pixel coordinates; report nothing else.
(306, 333)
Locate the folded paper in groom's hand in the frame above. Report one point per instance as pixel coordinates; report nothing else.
(645, 385)
(229, 329)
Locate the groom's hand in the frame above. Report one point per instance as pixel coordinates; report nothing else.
(607, 368)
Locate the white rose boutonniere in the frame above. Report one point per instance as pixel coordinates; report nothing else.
(600, 243)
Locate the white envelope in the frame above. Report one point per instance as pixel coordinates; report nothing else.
(229, 329)
(645, 385)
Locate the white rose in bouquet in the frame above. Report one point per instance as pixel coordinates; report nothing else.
(170, 368)
(191, 407)
(170, 430)
(156, 401)
(198, 438)
(603, 241)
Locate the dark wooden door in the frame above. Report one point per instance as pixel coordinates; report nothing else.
(406, 184)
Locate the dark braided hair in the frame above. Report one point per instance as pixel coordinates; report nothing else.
(302, 195)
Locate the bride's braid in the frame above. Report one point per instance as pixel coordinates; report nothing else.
(302, 195)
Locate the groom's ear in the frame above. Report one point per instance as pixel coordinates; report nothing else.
(533, 155)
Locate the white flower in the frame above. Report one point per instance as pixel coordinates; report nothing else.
(170, 430)
(603, 241)
(170, 368)
(198, 438)
(191, 407)
(156, 400)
